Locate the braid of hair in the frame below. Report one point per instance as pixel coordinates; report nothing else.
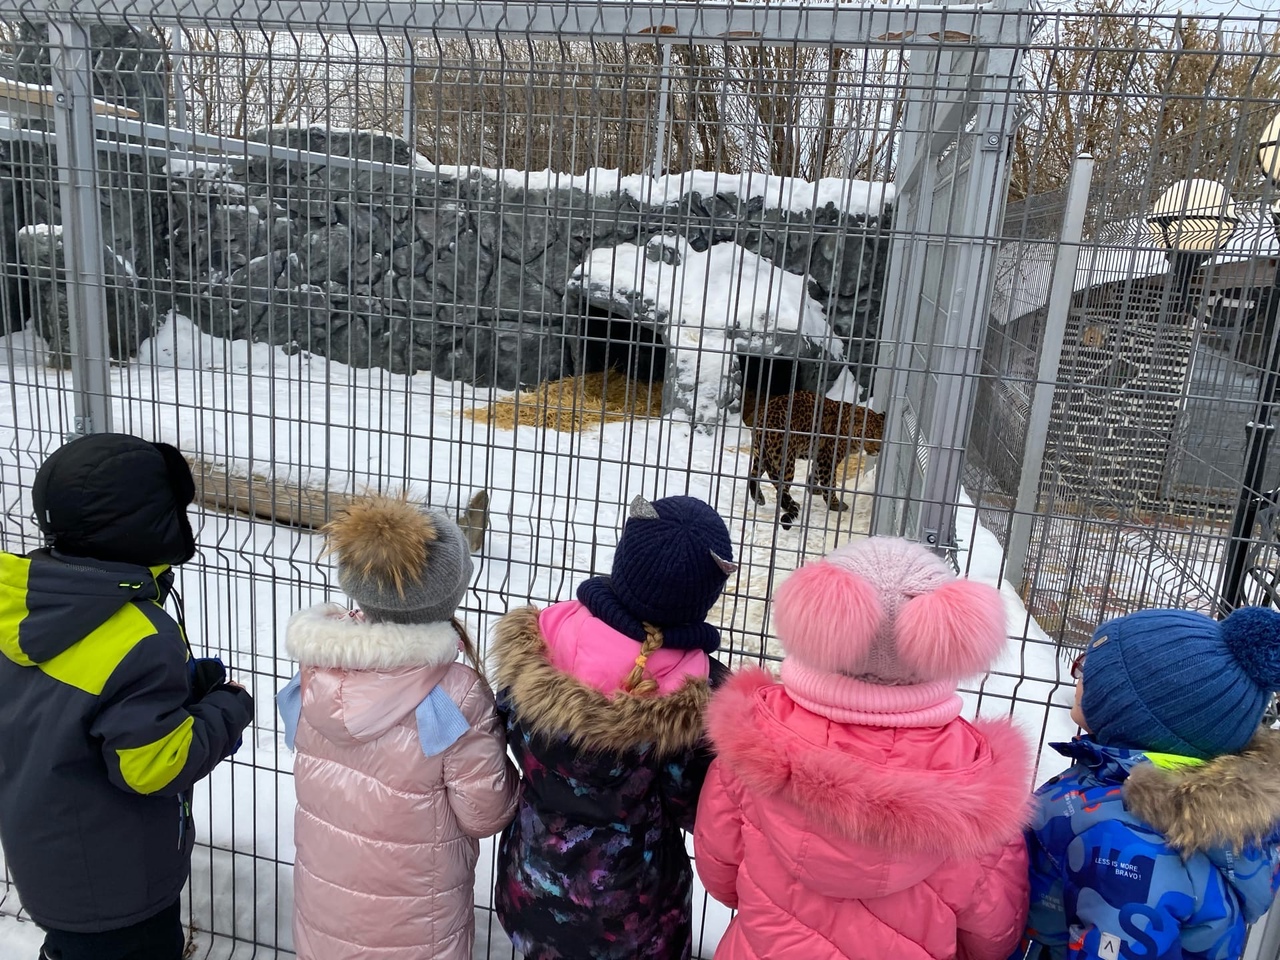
(468, 646)
(636, 683)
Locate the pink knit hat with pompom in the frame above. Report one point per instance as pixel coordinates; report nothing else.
(881, 631)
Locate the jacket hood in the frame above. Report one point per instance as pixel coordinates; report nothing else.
(362, 678)
(1231, 801)
(907, 798)
(584, 646)
(57, 601)
(554, 703)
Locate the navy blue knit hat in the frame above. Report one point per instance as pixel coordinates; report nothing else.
(1172, 681)
(670, 566)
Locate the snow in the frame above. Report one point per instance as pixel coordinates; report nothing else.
(719, 301)
(186, 166)
(846, 389)
(557, 502)
(790, 194)
(18, 940)
(725, 285)
(42, 230)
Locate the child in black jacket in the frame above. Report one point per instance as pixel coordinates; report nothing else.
(106, 722)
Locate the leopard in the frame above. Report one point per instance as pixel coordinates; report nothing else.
(805, 426)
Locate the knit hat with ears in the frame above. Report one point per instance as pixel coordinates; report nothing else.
(670, 566)
(880, 632)
(400, 562)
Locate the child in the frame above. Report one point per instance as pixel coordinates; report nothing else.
(851, 812)
(1159, 842)
(401, 761)
(106, 722)
(603, 699)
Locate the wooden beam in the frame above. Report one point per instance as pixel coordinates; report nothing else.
(307, 508)
(35, 101)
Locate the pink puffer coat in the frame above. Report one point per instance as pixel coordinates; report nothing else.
(843, 842)
(386, 837)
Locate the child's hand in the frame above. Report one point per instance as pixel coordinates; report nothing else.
(240, 689)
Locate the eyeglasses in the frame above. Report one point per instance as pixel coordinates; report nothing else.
(1077, 667)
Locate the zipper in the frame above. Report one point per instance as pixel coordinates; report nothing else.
(184, 814)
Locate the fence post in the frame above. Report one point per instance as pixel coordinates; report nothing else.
(664, 95)
(1061, 291)
(410, 120)
(72, 62)
(1264, 938)
(178, 49)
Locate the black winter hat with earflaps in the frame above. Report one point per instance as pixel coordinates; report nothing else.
(118, 498)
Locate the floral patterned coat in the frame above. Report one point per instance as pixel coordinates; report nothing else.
(594, 863)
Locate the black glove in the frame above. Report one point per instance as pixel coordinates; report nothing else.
(207, 675)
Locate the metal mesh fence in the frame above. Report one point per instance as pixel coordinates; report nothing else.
(1163, 355)
(563, 254)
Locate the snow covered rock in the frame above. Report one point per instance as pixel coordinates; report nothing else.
(130, 317)
(707, 308)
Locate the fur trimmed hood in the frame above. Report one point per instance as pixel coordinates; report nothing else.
(552, 703)
(952, 792)
(330, 636)
(1230, 801)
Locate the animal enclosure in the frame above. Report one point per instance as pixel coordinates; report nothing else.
(567, 253)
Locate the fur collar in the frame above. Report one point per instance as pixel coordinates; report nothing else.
(553, 703)
(904, 807)
(1230, 801)
(328, 636)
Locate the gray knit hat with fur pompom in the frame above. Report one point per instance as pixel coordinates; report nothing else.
(400, 562)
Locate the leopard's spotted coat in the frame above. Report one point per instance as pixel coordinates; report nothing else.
(804, 426)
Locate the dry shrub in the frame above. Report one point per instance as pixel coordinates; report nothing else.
(575, 403)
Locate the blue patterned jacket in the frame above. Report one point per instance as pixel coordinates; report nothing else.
(1152, 857)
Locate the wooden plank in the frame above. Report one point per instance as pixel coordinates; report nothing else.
(34, 99)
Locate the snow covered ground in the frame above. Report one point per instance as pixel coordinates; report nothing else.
(557, 503)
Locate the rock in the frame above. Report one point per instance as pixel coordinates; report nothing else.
(130, 315)
(326, 254)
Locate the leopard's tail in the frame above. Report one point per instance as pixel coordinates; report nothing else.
(753, 474)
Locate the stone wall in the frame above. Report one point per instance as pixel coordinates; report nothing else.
(129, 70)
(395, 265)
(465, 276)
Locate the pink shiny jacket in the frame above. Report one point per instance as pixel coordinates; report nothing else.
(386, 836)
(837, 841)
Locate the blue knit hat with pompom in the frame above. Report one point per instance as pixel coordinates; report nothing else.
(1172, 681)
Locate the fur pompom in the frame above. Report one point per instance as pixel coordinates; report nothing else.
(381, 538)
(1252, 634)
(826, 616)
(953, 631)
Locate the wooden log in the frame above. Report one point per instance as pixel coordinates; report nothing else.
(308, 508)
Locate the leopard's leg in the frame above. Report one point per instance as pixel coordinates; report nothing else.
(788, 509)
(830, 456)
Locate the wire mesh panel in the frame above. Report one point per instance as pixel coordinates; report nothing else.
(1166, 342)
(527, 261)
